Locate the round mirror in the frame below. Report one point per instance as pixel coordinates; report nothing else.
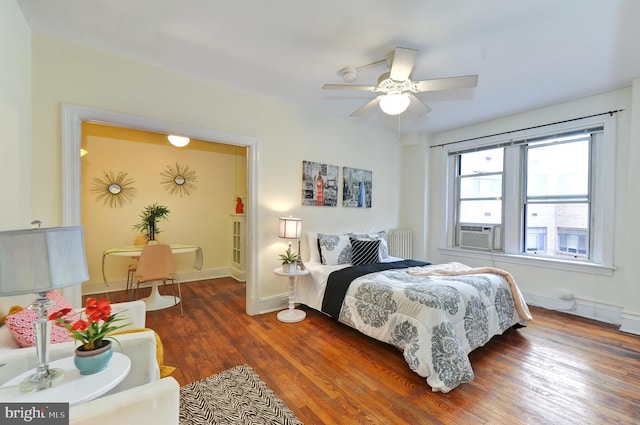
(179, 180)
(114, 188)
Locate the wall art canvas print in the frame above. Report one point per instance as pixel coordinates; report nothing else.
(319, 184)
(357, 187)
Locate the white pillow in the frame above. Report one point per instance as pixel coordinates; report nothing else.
(381, 235)
(314, 253)
(334, 249)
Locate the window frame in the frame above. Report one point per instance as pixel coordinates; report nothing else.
(556, 199)
(602, 193)
(459, 177)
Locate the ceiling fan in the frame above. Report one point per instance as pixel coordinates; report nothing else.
(396, 87)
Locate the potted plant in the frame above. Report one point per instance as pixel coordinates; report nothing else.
(150, 216)
(289, 259)
(95, 350)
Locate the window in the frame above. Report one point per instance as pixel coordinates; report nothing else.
(573, 241)
(536, 239)
(480, 187)
(546, 196)
(558, 194)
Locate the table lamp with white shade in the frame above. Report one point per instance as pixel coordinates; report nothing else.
(291, 228)
(37, 261)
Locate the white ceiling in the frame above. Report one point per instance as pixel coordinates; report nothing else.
(527, 53)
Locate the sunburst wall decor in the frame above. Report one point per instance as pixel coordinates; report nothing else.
(114, 190)
(179, 179)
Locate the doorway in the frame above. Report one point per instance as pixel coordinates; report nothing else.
(72, 118)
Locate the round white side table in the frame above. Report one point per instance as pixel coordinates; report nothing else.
(292, 314)
(74, 388)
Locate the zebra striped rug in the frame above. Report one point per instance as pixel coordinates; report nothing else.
(235, 396)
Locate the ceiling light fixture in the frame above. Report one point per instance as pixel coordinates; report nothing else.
(349, 74)
(394, 103)
(178, 141)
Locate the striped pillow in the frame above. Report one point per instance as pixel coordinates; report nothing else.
(364, 251)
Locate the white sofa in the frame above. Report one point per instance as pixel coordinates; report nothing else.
(142, 395)
(157, 403)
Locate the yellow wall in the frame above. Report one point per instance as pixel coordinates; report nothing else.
(200, 218)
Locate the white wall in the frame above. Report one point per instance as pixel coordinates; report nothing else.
(414, 205)
(15, 118)
(67, 72)
(608, 298)
(631, 195)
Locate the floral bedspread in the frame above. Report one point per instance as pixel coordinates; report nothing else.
(435, 320)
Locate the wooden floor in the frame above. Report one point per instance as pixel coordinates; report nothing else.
(561, 369)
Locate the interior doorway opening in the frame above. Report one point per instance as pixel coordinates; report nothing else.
(72, 118)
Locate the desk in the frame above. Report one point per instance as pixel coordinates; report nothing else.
(74, 388)
(292, 314)
(155, 301)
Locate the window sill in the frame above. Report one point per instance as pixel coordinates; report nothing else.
(526, 260)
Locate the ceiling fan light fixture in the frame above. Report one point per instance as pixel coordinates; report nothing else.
(349, 74)
(178, 141)
(394, 103)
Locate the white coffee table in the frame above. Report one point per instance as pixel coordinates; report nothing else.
(74, 388)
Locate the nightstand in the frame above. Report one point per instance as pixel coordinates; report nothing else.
(292, 314)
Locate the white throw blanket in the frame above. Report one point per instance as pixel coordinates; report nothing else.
(458, 269)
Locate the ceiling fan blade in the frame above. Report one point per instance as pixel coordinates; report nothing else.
(348, 87)
(403, 61)
(417, 106)
(367, 106)
(449, 83)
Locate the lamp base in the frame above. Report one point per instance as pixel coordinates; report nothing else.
(42, 380)
(44, 377)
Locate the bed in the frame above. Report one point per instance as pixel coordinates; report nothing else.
(435, 314)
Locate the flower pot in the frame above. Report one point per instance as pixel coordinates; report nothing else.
(93, 361)
(288, 267)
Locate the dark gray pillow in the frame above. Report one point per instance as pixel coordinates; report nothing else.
(364, 251)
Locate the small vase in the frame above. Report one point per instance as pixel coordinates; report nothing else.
(93, 361)
(287, 267)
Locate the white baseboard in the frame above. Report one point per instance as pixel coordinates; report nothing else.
(238, 274)
(273, 303)
(630, 323)
(258, 306)
(121, 285)
(591, 310)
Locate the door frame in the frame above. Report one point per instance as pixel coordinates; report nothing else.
(71, 137)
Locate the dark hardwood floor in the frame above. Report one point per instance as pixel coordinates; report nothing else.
(561, 369)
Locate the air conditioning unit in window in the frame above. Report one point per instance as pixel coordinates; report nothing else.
(475, 237)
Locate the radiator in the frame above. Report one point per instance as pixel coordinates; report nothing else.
(400, 243)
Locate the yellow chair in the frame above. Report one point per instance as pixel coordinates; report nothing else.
(156, 264)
